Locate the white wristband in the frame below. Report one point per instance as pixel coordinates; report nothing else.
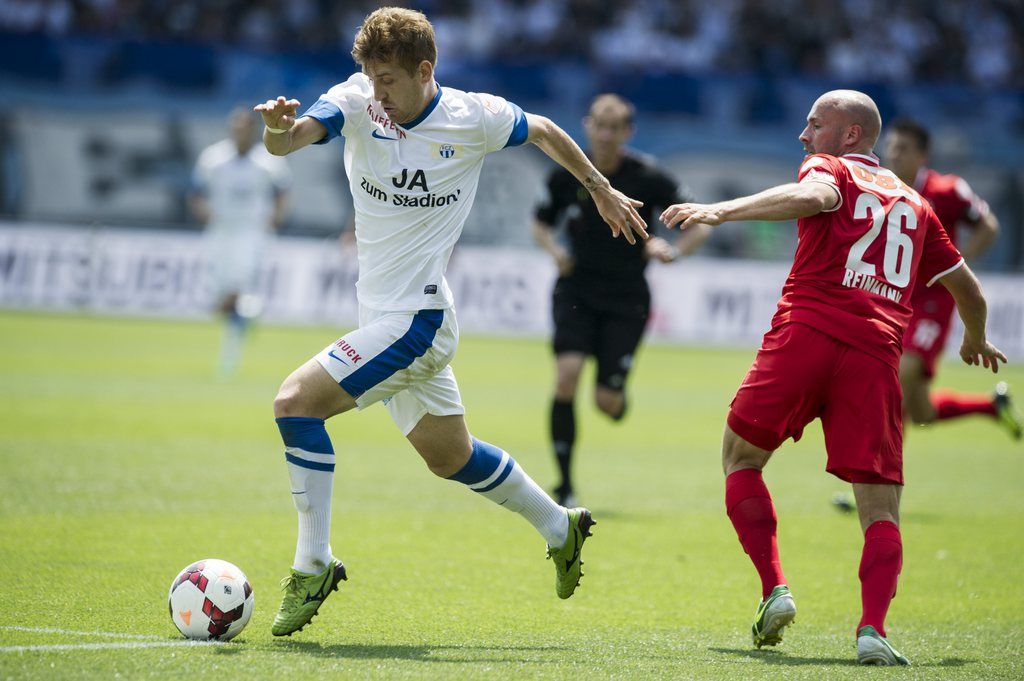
(276, 131)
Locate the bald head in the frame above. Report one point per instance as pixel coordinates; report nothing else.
(847, 122)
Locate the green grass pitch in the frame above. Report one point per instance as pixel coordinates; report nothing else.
(123, 459)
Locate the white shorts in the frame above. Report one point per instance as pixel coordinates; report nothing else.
(235, 261)
(400, 358)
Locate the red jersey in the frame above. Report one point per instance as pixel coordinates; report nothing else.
(856, 265)
(953, 201)
(951, 198)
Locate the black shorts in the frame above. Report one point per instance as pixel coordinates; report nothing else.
(607, 327)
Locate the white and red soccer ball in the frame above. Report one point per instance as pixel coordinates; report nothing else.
(210, 599)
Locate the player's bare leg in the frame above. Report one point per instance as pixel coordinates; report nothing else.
(451, 452)
(306, 398)
(310, 391)
(922, 405)
(444, 443)
(610, 401)
(568, 366)
(752, 513)
(235, 326)
(917, 403)
(879, 510)
(738, 454)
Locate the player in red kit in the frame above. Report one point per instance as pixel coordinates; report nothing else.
(834, 347)
(956, 205)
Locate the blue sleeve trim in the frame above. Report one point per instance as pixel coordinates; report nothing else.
(520, 129)
(330, 116)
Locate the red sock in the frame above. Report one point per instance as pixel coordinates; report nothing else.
(949, 405)
(879, 569)
(752, 513)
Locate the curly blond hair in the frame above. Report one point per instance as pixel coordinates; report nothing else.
(395, 34)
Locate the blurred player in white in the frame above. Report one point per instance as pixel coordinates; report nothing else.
(240, 194)
(413, 154)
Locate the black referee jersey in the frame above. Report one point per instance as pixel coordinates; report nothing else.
(603, 262)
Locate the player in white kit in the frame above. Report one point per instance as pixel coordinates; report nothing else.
(240, 195)
(413, 153)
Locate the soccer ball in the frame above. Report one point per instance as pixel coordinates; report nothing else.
(210, 599)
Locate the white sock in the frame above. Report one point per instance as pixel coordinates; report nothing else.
(312, 481)
(311, 492)
(494, 474)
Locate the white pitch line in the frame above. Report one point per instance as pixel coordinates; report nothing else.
(107, 646)
(70, 632)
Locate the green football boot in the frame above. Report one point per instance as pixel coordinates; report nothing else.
(774, 614)
(1006, 412)
(872, 648)
(567, 559)
(303, 596)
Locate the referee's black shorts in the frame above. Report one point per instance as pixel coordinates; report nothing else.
(608, 327)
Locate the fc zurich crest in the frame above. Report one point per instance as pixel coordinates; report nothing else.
(446, 150)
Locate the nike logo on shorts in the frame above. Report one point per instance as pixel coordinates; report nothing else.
(331, 353)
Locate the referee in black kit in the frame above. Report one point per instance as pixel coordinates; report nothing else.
(601, 301)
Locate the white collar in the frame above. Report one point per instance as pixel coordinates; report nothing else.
(867, 158)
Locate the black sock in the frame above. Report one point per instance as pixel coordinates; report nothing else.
(563, 437)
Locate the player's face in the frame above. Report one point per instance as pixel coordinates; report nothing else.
(243, 130)
(402, 94)
(608, 130)
(825, 133)
(902, 154)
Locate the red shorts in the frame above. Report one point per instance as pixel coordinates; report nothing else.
(801, 374)
(929, 327)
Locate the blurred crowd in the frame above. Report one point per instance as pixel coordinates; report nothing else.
(968, 41)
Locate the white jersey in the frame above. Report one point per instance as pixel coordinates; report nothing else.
(413, 185)
(240, 189)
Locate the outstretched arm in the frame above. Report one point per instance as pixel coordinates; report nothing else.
(689, 241)
(617, 209)
(545, 238)
(970, 304)
(280, 210)
(983, 233)
(785, 202)
(200, 207)
(686, 243)
(291, 135)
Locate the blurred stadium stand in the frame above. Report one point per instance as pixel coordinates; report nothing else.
(115, 98)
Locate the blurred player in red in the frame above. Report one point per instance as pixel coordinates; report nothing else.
(834, 347)
(956, 205)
